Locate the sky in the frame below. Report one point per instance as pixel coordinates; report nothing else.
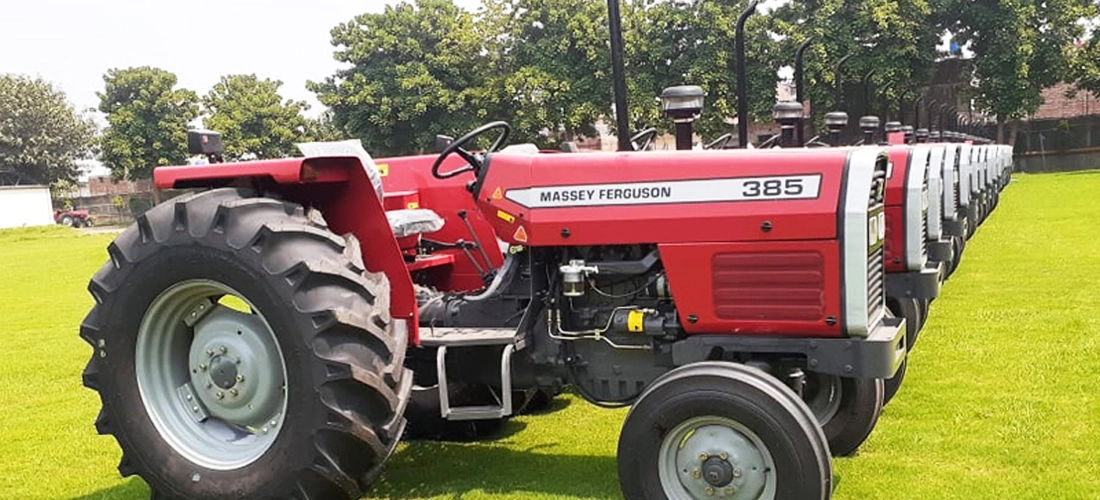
(73, 43)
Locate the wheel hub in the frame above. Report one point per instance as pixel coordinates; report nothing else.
(232, 369)
(211, 378)
(717, 472)
(714, 457)
(223, 371)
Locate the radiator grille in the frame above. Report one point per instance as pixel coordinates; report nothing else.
(876, 297)
(769, 286)
(876, 292)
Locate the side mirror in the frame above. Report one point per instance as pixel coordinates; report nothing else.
(204, 142)
(442, 141)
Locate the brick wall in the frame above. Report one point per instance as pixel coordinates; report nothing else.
(105, 186)
(1056, 105)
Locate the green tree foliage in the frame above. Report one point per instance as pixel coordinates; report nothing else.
(41, 135)
(693, 43)
(554, 77)
(254, 119)
(416, 70)
(1020, 48)
(148, 119)
(895, 39)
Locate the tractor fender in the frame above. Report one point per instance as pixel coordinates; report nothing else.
(341, 188)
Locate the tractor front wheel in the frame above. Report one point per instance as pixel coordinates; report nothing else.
(846, 408)
(241, 351)
(722, 430)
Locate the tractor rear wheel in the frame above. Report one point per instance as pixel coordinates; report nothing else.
(716, 429)
(846, 408)
(241, 350)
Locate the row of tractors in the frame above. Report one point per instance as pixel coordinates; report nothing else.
(277, 332)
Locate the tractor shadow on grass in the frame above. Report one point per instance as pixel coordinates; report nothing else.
(495, 465)
(433, 469)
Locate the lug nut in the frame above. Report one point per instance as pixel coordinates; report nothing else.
(195, 409)
(703, 457)
(729, 490)
(724, 456)
(189, 398)
(710, 491)
(233, 392)
(202, 367)
(736, 472)
(696, 474)
(223, 349)
(219, 395)
(274, 423)
(210, 352)
(264, 430)
(240, 378)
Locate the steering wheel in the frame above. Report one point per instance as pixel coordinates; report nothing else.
(474, 163)
(648, 134)
(721, 142)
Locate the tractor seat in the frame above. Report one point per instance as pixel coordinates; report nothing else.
(413, 222)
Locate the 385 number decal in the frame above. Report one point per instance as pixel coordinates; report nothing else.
(789, 187)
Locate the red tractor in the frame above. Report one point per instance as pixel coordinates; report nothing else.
(73, 218)
(261, 337)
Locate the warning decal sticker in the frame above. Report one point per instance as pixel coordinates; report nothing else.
(789, 187)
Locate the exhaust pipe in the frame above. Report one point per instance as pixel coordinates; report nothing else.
(799, 80)
(838, 81)
(618, 75)
(742, 84)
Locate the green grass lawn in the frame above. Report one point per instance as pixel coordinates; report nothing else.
(1000, 400)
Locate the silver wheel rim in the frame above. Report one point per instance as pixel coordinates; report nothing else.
(824, 397)
(211, 377)
(701, 454)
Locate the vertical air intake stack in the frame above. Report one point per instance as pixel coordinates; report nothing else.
(835, 122)
(683, 104)
(789, 116)
(869, 124)
(893, 133)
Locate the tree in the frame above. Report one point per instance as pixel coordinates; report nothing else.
(148, 119)
(416, 70)
(896, 39)
(692, 42)
(253, 118)
(41, 135)
(553, 80)
(1020, 47)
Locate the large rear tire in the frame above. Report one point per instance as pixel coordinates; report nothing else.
(295, 388)
(716, 429)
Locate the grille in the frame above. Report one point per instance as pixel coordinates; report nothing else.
(876, 298)
(776, 286)
(924, 219)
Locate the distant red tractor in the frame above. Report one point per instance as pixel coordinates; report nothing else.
(73, 218)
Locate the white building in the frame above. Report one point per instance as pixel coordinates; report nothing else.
(23, 206)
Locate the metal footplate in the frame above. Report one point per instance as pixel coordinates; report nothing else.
(444, 338)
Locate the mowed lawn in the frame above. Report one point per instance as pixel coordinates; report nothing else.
(1001, 399)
